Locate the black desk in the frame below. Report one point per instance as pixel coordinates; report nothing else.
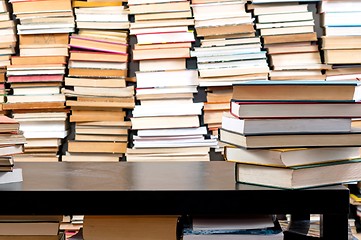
(195, 188)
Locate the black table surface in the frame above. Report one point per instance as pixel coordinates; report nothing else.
(156, 188)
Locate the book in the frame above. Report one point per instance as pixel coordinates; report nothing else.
(344, 139)
(284, 125)
(162, 122)
(96, 147)
(297, 90)
(161, 78)
(289, 109)
(16, 175)
(229, 228)
(289, 157)
(131, 227)
(60, 236)
(300, 177)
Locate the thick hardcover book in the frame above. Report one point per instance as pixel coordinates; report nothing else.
(289, 109)
(341, 139)
(298, 90)
(300, 177)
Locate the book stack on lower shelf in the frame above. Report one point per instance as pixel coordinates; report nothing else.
(131, 227)
(299, 142)
(233, 228)
(31, 227)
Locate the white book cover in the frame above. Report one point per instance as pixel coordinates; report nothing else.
(10, 177)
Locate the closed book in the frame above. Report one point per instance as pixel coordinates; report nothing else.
(16, 175)
(300, 177)
(289, 157)
(301, 109)
(298, 90)
(163, 227)
(342, 139)
(284, 125)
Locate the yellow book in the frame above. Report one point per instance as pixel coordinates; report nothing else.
(96, 3)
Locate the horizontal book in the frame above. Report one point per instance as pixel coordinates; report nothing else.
(166, 37)
(289, 157)
(167, 78)
(97, 147)
(162, 227)
(16, 175)
(301, 177)
(288, 109)
(284, 125)
(163, 122)
(352, 138)
(60, 236)
(298, 90)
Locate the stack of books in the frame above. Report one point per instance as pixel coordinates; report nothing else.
(96, 88)
(28, 227)
(7, 45)
(167, 120)
(288, 34)
(36, 76)
(229, 51)
(294, 134)
(8, 32)
(11, 143)
(341, 40)
(341, 25)
(248, 227)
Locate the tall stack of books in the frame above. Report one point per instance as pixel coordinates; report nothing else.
(294, 134)
(7, 45)
(341, 40)
(8, 33)
(287, 29)
(11, 143)
(167, 119)
(228, 52)
(96, 88)
(19, 227)
(36, 76)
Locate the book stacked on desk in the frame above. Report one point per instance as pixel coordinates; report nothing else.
(97, 88)
(288, 34)
(11, 143)
(166, 122)
(36, 76)
(293, 134)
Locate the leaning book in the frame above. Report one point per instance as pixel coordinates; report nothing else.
(299, 177)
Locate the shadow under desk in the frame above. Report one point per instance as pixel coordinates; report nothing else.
(182, 188)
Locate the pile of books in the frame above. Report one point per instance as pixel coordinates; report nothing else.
(288, 34)
(11, 143)
(8, 32)
(293, 134)
(341, 25)
(167, 119)
(96, 87)
(36, 76)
